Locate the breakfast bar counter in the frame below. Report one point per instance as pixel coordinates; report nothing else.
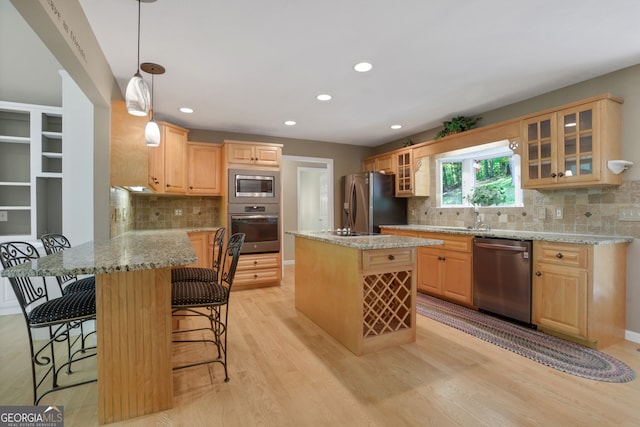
(359, 289)
(133, 307)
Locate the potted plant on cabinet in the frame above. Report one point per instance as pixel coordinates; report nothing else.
(456, 125)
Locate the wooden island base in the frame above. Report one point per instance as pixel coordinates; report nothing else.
(366, 299)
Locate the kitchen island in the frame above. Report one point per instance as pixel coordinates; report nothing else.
(133, 314)
(359, 289)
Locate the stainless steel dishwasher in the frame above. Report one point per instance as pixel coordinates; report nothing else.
(502, 277)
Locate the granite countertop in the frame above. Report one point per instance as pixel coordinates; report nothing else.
(367, 242)
(586, 239)
(135, 250)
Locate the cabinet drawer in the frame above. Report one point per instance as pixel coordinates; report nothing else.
(452, 242)
(387, 258)
(562, 254)
(258, 261)
(252, 277)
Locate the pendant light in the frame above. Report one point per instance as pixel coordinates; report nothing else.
(152, 130)
(137, 93)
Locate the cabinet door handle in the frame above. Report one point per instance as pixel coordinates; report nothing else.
(553, 175)
(391, 257)
(255, 262)
(560, 174)
(191, 187)
(538, 273)
(559, 255)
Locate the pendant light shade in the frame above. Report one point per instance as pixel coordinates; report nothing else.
(137, 96)
(152, 133)
(137, 93)
(152, 130)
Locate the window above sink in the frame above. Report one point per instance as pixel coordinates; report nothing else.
(491, 169)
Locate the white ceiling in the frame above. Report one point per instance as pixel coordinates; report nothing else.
(248, 65)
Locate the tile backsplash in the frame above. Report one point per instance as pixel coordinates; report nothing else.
(584, 211)
(151, 212)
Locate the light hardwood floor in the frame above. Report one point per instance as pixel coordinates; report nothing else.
(285, 371)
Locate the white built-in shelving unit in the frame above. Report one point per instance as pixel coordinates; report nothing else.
(30, 171)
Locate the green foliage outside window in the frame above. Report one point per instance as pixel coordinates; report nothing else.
(493, 183)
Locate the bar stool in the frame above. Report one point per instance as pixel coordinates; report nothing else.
(59, 316)
(210, 300)
(199, 274)
(53, 243)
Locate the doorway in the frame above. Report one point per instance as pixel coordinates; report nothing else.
(307, 198)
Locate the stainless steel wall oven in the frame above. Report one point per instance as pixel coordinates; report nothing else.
(259, 223)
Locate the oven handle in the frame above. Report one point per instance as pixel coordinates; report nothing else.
(254, 217)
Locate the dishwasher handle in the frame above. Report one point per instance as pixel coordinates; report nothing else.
(499, 247)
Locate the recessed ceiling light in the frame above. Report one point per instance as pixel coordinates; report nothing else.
(396, 126)
(363, 67)
(186, 110)
(323, 97)
(290, 123)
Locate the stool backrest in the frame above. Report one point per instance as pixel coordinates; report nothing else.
(218, 251)
(57, 243)
(27, 291)
(230, 260)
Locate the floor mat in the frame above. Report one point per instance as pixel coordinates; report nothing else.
(546, 349)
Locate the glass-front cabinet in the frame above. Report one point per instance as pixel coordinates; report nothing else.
(404, 173)
(571, 147)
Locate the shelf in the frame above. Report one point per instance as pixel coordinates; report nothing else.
(52, 155)
(15, 139)
(49, 175)
(52, 135)
(15, 208)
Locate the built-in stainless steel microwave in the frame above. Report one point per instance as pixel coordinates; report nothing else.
(253, 185)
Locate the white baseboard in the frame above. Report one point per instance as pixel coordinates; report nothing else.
(632, 336)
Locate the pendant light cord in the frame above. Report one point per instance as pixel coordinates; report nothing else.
(152, 97)
(138, 64)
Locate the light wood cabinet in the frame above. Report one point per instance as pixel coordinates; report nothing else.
(243, 153)
(200, 242)
(446, 271)
(168, 162)
(404, 173)
(579, 291)
(571, 147)
(381, 163)
(410, 167)
(365, 299)
(258, 270)
(204, 169)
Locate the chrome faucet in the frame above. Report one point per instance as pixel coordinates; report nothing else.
(476, 222)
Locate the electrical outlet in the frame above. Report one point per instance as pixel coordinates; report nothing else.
(541, 212)
(3, 216)
(559, 213)
(177, 212)
(196, 210)
(629, 214)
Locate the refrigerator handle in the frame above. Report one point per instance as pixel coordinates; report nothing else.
(353, 208)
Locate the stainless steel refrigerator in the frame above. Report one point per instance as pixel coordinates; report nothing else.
(369, 201)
